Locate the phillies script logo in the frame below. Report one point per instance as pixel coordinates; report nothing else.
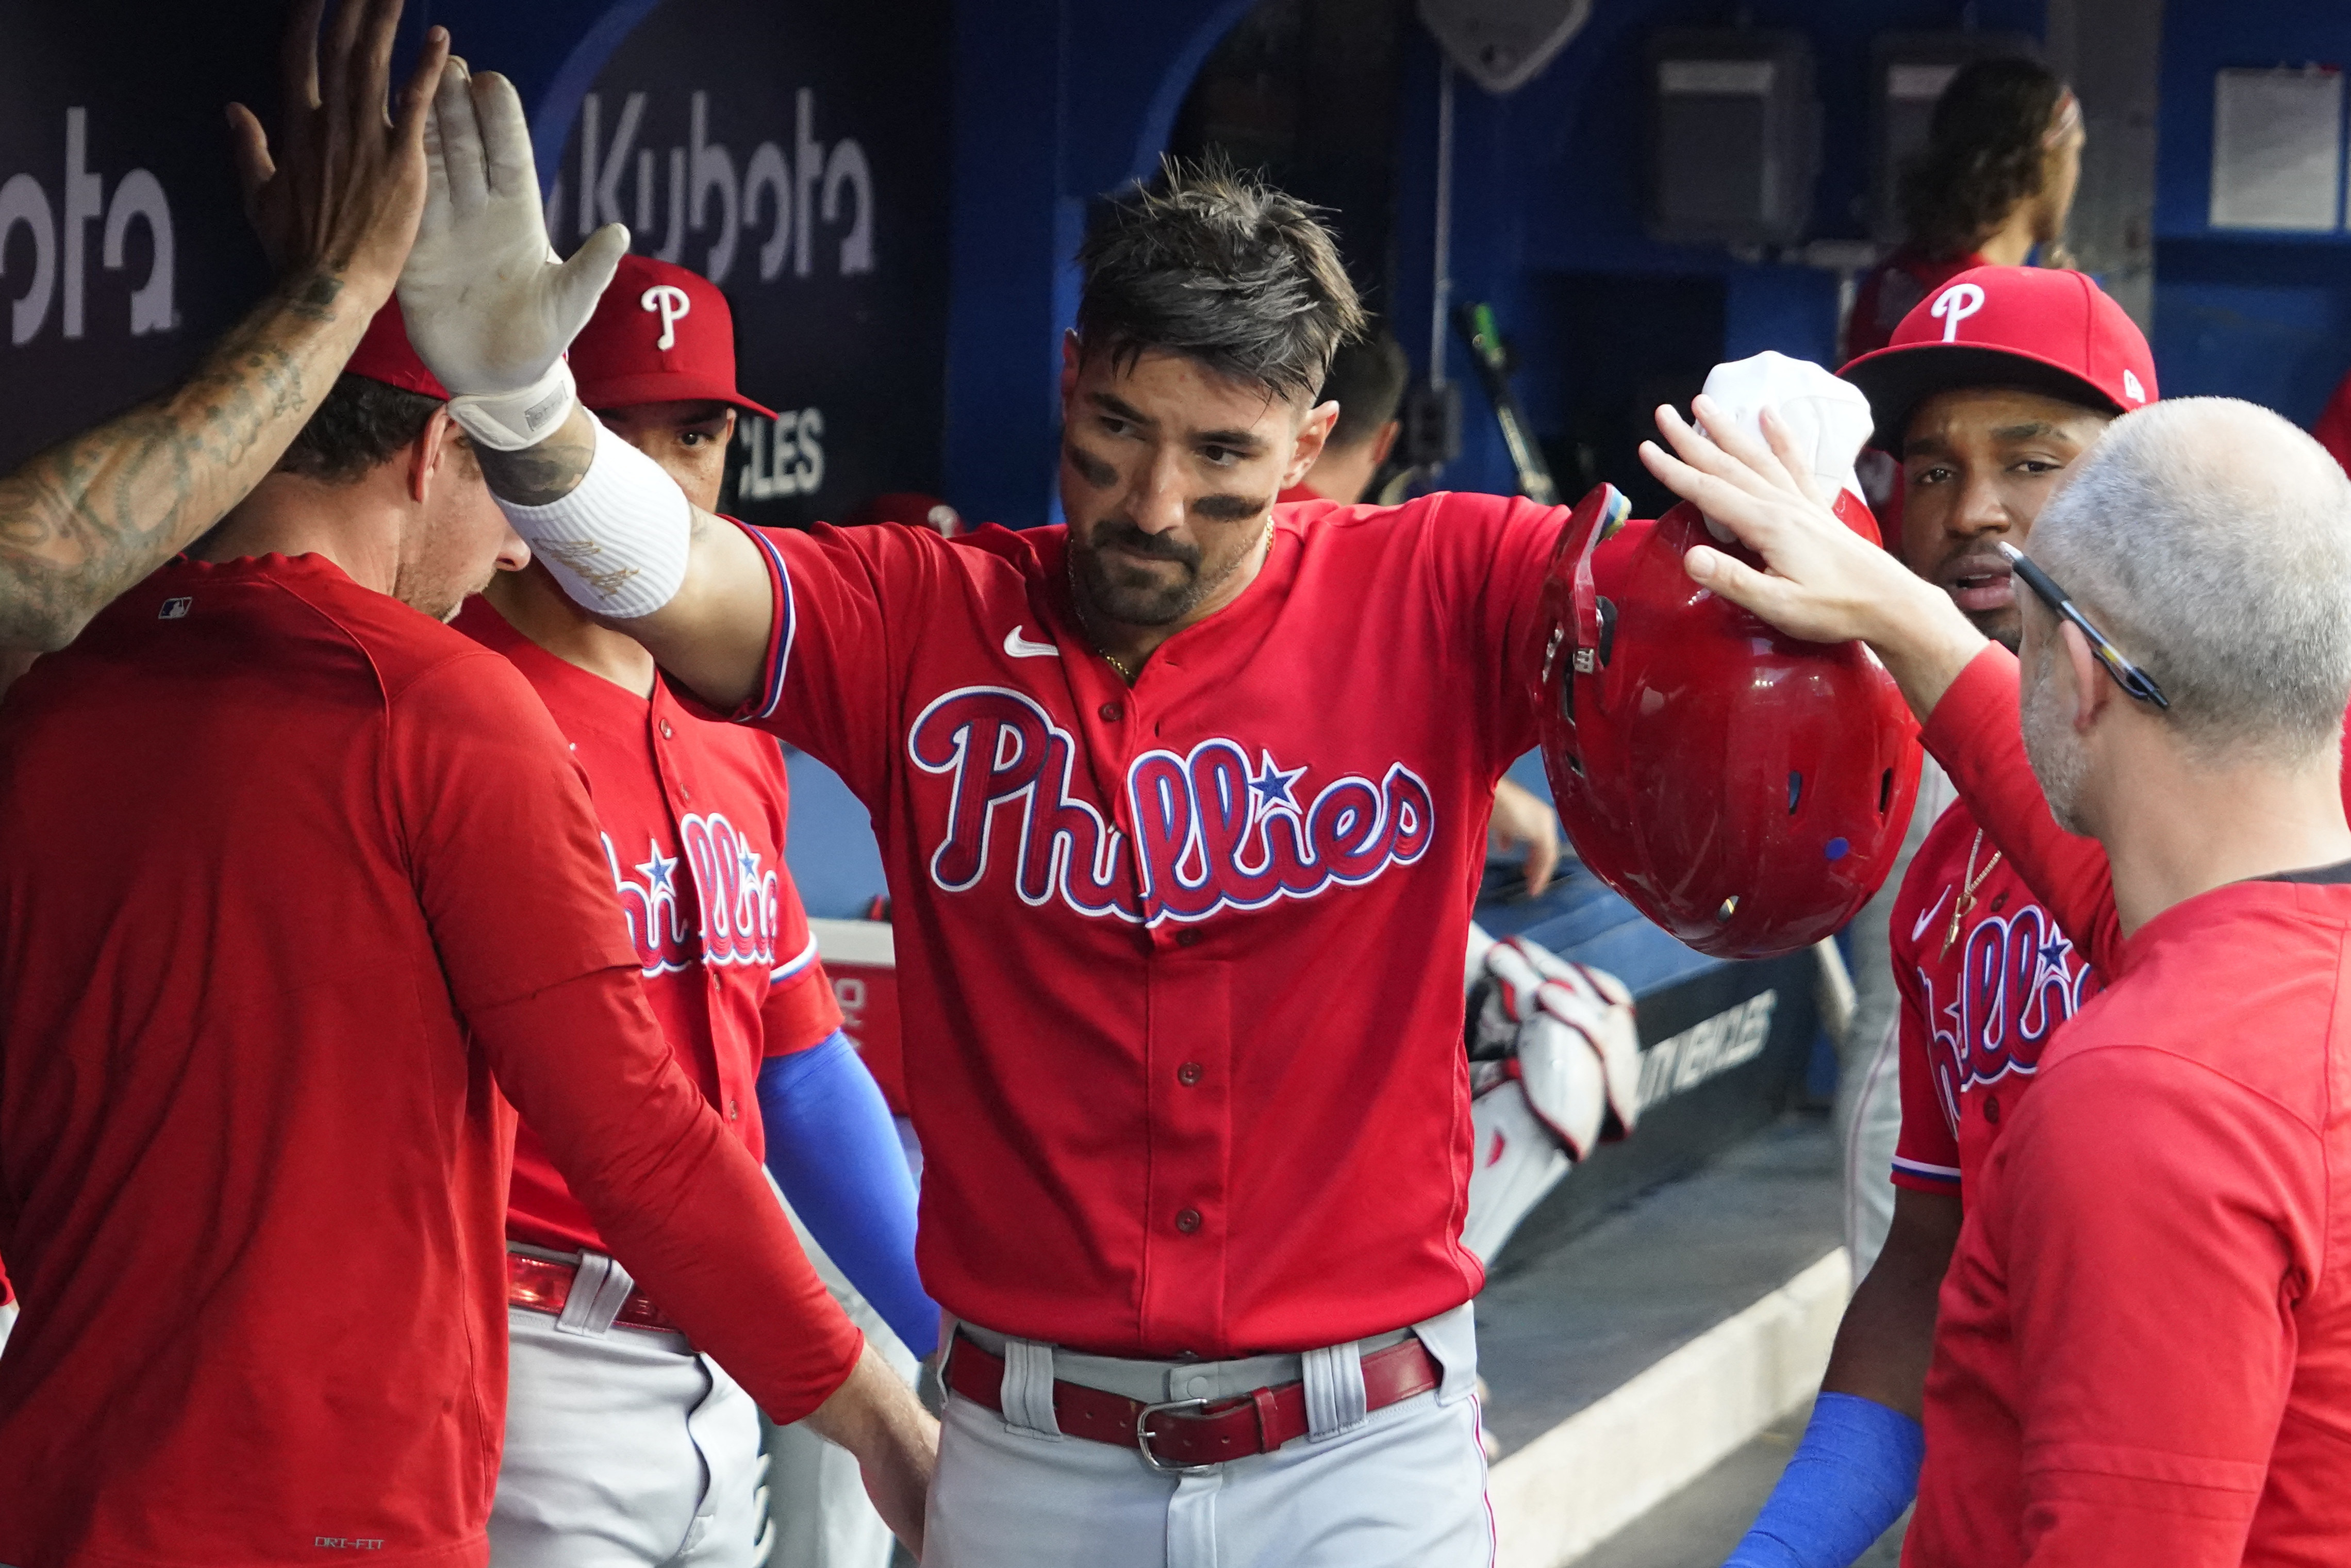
(736, 893)
(1215, 831)
(2019, 980)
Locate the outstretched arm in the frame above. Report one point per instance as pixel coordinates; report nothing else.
(712, 634)
(87, 518)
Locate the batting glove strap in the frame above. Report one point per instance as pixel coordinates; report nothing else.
(619, 542)
(1848, 1481)
(511, 420)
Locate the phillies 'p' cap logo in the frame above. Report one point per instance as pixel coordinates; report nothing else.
(672, 302)
(1955, 305)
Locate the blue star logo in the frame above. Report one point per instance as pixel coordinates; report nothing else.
(661, 871)
(750, 864)
(1271, 785)
(2052, 957)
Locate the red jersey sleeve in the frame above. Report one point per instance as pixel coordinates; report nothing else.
(510, 873)
(2156, 1215)
(1975, 733)
(800, 1011)
(1490, 555)
(839, 644)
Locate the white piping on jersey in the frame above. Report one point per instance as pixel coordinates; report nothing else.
(783, 972)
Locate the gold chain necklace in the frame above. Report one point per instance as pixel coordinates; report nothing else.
(1970, 880)
(1070, 563)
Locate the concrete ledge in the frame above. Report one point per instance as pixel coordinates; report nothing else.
(1579, 1483)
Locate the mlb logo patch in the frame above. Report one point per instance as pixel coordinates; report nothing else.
(173, 609)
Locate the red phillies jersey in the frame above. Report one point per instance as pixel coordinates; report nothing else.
(297, 881)
(2143, 1353)
(1178, 964)
(1980, 998)
(1891, 290)
(685, 807)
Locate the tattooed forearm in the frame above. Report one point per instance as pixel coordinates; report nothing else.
(87, 518)
(541, 474)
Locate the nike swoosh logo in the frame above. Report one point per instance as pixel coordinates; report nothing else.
(1019, 647)
(1927, 919)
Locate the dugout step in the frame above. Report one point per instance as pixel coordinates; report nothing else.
(1623, 1364)
(1699, 1524)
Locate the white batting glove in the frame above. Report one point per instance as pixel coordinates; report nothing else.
(1569, 1033)
(490, 306)
(1828, 416)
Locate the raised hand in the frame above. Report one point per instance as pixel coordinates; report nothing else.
(490, 306)
(1822, 581)
(337, 207)
(345, 186)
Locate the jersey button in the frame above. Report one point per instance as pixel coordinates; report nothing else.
(1111, 713)
(1991, 1109)
(666, 731)
(733, 1109)
(1188, 1074)
(1188, 938)
(1187, 1221)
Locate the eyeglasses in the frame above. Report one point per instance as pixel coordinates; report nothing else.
(2127, 675)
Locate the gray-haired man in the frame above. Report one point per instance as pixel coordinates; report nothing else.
(2146, 1351)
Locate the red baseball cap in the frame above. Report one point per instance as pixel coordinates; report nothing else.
(2043, 329)
(661, 334)
(385, 355)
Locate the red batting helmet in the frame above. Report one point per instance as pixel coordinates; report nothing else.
(1745, 790)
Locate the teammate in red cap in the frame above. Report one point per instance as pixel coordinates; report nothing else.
(272, 975)
(622, 1444)
(1990, 391)
(2144, 1347)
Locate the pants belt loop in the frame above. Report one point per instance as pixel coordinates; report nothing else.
(598, 1291)
(1027, 1393)
(1335, 1400)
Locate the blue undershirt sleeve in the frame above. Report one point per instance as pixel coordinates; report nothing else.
(1848, 1481)
(833, 1149)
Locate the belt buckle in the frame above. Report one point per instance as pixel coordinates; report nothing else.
(1143, 1436)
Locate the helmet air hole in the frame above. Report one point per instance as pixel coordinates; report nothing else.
(1795, 791)
(1729, 907)
(1885, 790)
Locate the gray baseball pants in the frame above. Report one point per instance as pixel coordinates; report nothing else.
(1403, 1487)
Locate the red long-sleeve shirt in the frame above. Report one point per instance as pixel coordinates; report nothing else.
(296, 881)
(2143, 1351)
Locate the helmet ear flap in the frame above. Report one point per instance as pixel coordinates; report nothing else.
(1746, 791)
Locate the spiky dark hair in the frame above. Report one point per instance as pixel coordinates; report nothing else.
(1221, 266)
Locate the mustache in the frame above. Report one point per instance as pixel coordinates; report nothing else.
(1121, 534)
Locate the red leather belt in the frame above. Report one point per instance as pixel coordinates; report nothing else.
(544, 1287)
(1193, 1434)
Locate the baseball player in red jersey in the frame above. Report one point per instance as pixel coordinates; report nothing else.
(1991, 390)
(1184, 808)
(621, 1445)
(2144, 1352)
(256, 1165)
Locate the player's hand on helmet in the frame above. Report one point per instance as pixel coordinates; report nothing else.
(342, 189)
(489, 305)
(1822, 581)
(1568, 1031)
